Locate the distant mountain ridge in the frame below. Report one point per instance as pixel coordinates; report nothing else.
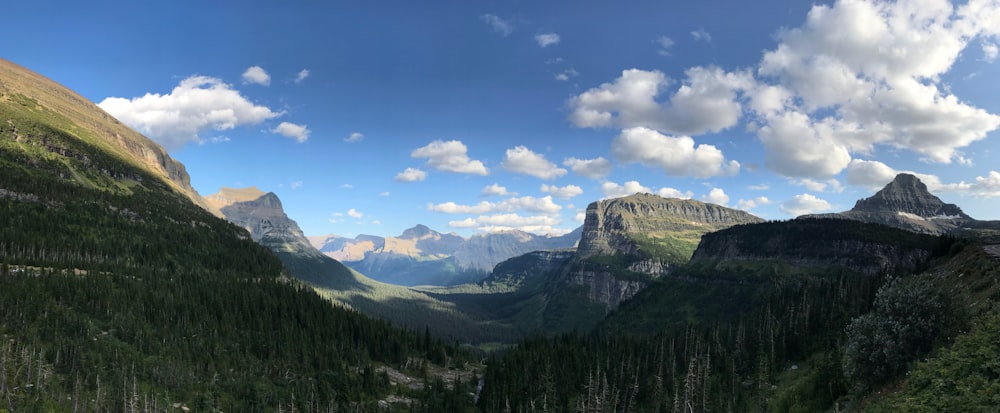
(906, 203)
(423, 256)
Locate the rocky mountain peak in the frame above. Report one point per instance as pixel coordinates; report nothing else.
(418, 232)
(228, 196)
(610, 224)
(907, 194)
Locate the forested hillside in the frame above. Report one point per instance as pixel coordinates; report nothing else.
(117, 293)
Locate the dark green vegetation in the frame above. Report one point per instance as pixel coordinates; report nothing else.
(119, 294)
(758, 334)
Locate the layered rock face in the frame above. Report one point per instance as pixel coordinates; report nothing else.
(907, 194)
(263, 216)
(906, 203)
(650, 233)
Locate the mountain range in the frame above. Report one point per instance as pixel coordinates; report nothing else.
(422, 256)
(123, 290)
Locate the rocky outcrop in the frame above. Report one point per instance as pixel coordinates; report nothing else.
(263, 216)
(611, 226)
(605, 287)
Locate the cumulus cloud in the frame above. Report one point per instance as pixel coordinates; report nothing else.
(832, 185)
(748, 204)
(256, 75)
(543, 205)
(497, 190)
(302, 75)
(803, 204)
(865, 74)
(874, 175)
(411, 175)
(705, 102)
(523, 161)
(290, 130)
(665, 44)
(354, 137)
(450, 156)
(353, 213)
(547, 39)
(716, 196)
(590, 168)
(498, 25)
(567, 191)
(197, 104)
(614, 190)
(986, 186)
(678, 156)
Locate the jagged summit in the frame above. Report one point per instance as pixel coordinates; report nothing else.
(907, 194)
(228, 196)
(907, 204)
(417, 232)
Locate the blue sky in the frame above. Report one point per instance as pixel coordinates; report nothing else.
(372, 117)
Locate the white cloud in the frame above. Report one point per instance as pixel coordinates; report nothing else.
(496, 189)
(614, 190)
(748, 204)
(347, 186)
(567, 74)
(256, 75)
(386, 193)
(353, 213)
(987, 187)
(874, 175)
(580, 216)
(296, 185)
(197, 104)
(302, 75)
(590, 168)
(678, 156)
(354, 137)
(539, 224)
(701, 35)
(290, 130)
(543, 205)
(819, 186)
(804, 204)
(376, 222)
(705, 102)
(411, 175)
(716, 196)
(523, 161)
(665, 44)
(547, 39)
(567, 191)
(500, 26)
(990, 51)
(864, 74)
(450, 156)
(759, 187)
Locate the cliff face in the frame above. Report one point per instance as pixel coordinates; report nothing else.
(611, 226)
(818, 245)
(264, 217)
